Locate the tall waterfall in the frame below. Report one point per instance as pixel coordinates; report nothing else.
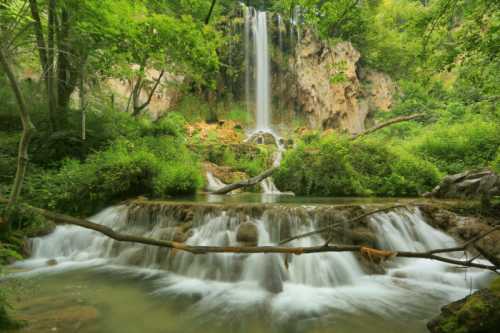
(257, 62)
(262, 81)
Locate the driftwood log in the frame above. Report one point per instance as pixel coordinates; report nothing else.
(194, 249)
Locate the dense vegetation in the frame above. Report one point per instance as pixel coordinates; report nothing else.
(442, 53)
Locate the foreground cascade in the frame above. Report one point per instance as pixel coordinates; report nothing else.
(339, 282)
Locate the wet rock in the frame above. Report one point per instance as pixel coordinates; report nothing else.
(469, 184)
(274, 273)
(51, 262)
(263, 138)
(477, 313)
(362, 236)
(247, 234)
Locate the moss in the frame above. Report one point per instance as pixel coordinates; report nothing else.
(495, 286)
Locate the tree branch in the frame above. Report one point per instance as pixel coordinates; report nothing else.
(246, 183)
(207, 19)
(194, 249)
(138, 109)
(28, 129)
(387, 123)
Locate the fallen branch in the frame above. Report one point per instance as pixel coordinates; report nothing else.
(245, 183)
(194, 249)
(387, 123)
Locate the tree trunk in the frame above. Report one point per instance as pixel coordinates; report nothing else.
(28, 130)
(44, 61)
(51, 72)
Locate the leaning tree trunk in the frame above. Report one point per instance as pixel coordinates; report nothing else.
(28, 130)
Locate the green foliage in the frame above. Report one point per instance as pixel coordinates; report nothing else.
(150, 166)
(458, 146)
(335, 166)
(172, 124)
(496, 163)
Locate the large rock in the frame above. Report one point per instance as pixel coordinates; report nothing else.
(477, 313)
(247, 234)
(332, 92)
(469, 184)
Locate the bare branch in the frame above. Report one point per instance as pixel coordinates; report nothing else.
(387, 123)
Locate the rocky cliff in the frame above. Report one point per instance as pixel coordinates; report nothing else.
(333, 90)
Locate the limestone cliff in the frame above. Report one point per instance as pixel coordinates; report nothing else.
(333, 91)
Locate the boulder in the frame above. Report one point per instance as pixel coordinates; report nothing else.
(247, 234)
(469, 184)
(477, 313)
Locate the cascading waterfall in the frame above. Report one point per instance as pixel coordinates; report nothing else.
(318, 282)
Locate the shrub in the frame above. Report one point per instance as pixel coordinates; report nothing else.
(336, 166)
(171, 124)
(459, 146)
(149, 166)
(320, 168)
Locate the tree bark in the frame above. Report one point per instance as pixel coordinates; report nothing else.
(246, 183)
(28, 130)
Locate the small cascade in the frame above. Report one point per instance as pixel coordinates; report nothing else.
(318, 282)
(213, 183)
(268, 187)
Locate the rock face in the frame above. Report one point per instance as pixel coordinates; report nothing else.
(469, 184)
(477, 313)
(330, 90)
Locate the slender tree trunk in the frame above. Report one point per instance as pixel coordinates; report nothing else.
(51, 72)
(82, 101)
(28, 130)
(44, 60)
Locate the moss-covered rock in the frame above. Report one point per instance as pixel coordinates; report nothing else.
(477, 313)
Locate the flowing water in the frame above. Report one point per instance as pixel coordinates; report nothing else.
(322, 292)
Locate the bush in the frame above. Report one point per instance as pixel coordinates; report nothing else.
(150, 166)
(172, 124)
(336, 166)
(460, 146)
(495, 165)
(319, 168)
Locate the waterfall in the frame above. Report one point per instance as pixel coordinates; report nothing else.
(213, 183)
(262, 81)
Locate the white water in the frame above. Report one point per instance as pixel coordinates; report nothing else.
(213, 183)
(312, 283)
(262, 82)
